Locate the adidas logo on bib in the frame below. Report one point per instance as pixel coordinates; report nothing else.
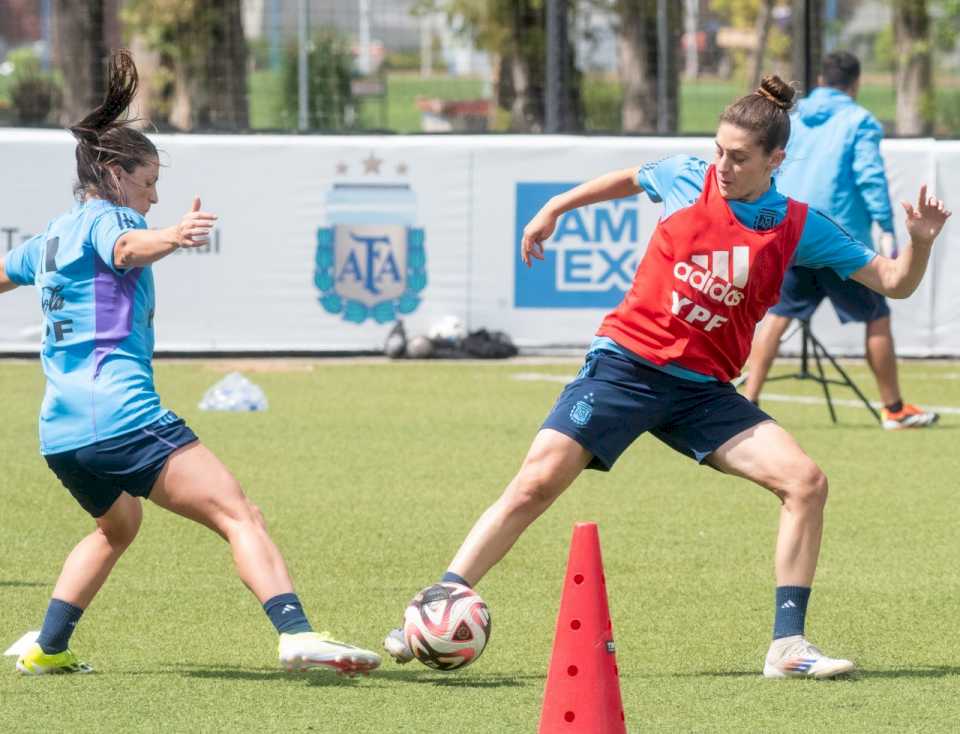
(719, 275)
(718, 263)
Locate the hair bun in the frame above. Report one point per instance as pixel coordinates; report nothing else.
(777, 91)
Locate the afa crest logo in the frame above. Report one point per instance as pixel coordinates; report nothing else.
(582, 410)
(370, 259)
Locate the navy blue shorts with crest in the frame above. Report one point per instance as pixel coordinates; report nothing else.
(614, 399)
(131, 462)
(803, 289)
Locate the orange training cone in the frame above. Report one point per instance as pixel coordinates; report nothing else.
(582, 695)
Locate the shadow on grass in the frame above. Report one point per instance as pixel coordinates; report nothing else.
(329, 678)
(735, 674)
(23, 584)
(932, 671)
(234, 673)
(453, 680)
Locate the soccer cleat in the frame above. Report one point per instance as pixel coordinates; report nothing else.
(795, 657)
(36, 662)
(397, 648)
(910, 416)
(307, 650)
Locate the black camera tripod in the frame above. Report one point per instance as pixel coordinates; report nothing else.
(811, 345)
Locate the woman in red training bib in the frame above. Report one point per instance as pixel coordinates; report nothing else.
(662, 361)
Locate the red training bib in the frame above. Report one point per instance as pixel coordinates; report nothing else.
(704, 283)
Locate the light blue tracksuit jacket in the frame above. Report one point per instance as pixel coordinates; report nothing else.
(833, 162)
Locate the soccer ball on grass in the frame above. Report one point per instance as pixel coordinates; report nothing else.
(446, 626)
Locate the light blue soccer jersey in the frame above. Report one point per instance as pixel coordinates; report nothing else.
(677, 181)
(97, 324)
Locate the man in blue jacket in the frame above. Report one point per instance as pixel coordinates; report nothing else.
(834, 164)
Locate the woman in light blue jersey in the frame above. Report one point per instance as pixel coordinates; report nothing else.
(103, 431)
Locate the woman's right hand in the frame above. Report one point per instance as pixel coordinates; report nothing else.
(537, 230)
(194, 228)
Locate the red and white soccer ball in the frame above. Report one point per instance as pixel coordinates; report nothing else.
(446, 626)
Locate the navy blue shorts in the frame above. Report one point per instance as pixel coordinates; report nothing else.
(614, 399)
(803, 290)
(98, 473)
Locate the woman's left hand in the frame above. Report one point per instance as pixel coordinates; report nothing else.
(925, 221)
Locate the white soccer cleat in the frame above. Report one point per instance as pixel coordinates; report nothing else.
(397, 648)
(309, 650)
(795, 657)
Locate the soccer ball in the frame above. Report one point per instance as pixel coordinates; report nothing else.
(448, 329)
(446, 626)
(420, 347)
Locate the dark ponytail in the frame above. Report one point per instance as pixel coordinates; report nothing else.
(104, 137)
(765, 113)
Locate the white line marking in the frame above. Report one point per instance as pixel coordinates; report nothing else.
(764, 397)
(845, 402)
(20, 646)
(541, 377)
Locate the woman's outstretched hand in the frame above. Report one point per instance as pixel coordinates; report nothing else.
(194, 228)
(537, 230)
(926, 219)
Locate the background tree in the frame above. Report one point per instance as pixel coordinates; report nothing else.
(523, 71)
(946, 33)
(329, 70)
(638, 63)
(80, 51)
(203, 58)
(34, 93)
(762, 24)
(769, 49)
(912, 41)
(513, 32)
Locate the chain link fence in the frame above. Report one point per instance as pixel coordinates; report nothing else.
(411, 66)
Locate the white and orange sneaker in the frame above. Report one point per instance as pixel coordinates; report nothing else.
(909, 416)
(795, 657)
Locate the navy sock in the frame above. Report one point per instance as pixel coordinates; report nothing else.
(58, 625)
(791, 611)
(452, 578)
(286, 613)
(895, 407)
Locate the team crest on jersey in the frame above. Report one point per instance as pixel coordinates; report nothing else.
(370, 258)
(765, 219)
(582, 410)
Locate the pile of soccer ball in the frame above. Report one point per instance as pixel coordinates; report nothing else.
(446, 626)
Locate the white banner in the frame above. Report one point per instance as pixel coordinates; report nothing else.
(323, 242)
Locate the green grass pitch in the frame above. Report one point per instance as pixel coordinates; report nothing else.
(371, 474)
